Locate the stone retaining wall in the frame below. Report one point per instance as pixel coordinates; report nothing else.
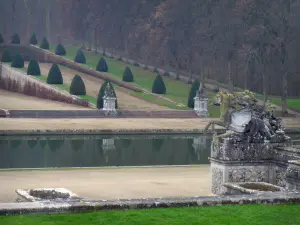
(17, 81)
(33, 52)
(125, 204)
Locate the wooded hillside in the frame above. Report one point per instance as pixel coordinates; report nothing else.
(247, 43)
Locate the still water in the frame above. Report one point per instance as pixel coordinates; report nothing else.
(97, 151)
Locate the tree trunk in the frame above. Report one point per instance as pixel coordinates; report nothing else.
(95, 40)
(284, 94)
(230, 83)
(48, 20)
(177, 69)
(265, 86)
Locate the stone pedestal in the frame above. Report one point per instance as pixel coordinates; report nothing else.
(109, 100)
(293, 176)
(235, 162)
(200, 103)
(236, 172)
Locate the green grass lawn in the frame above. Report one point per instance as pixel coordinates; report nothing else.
(293, 104)
(225, 215)
(177, 91)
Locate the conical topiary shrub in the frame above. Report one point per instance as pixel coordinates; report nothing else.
(54, 75)
(17, 61)
(15, 39)
(193, 91)
(127, 75)
(60, 50)
(80, 57)
(102, 65)
(101, 94)
(77, 86)
(159, 86)
(1, 39)
(44, 44)
(33, 39)
(33, 68)
(6, 56)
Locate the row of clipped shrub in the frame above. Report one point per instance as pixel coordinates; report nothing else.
(15, 39)
(17, 61)
(158, 84)
(55, 76)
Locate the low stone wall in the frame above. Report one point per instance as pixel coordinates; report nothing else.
(33, 52)
(17, 81)
(100, 114)
(125, 204)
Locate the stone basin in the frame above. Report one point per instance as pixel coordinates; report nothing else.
(251, 188)
(44, 194)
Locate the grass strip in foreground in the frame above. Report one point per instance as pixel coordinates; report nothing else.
(233, 215)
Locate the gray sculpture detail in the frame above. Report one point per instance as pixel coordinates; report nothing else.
(243, 117)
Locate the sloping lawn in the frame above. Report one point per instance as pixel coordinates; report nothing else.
(225, 215)
(176, 90)
(293, 104)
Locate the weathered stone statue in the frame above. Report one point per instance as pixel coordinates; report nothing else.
(243, 153)
(248, 121)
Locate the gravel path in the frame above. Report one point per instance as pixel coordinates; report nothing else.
(112, 183)
(102, 124)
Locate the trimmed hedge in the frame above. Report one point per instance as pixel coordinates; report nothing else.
(17, 61)
(15, 39)
(60, 50)
(77, 86)
(159, 86)
(102, 65)
(33, 39)
(6, 56)
(44, 44)
(1, 39)
(54, 75)
(33, 68)
(80, 57)
(101, 94)
(192, 95)
(127, 75)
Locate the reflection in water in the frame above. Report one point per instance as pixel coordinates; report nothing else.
(96, 151)
(32, 143)
(55, 144)
(126, 143)
(199, 145)
(107, 146)
(43, 143)
(15, 143)
(157, 144)
(77, 144)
